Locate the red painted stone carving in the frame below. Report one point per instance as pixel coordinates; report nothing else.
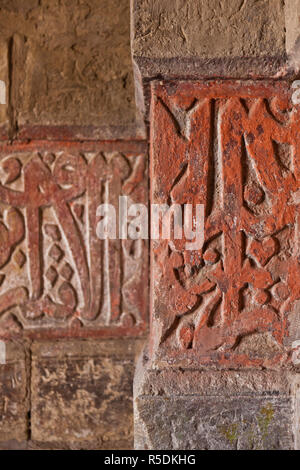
(234, 147)
(56, 277)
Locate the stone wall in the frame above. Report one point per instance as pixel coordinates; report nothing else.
(216, 81)
(74, 310)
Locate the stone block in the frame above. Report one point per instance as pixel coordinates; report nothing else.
(57, 278)
(71, 68)
(196, 39)
(214, 410)
(189, 423)
(232, 146)
(292, 23)
(200, 29)
(14, 395)
(82, 394)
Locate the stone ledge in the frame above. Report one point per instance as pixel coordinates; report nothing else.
(178, 381)
(119, 348)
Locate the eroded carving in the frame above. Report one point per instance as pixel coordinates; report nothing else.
(55, 272)
(242, 161)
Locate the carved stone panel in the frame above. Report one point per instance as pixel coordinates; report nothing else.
(235, 148)
(57, 278)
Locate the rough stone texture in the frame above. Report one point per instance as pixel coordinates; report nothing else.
(14, 445)
(70, 66)
(196, 39)
(198, 28)
(297, 417)
(82, 393)
(234, 147)
(57, 278)
(4, 72)
(198, 409)
(210, 383)
(292, 39)
(204, 423)
(199, 38)
(14, 397)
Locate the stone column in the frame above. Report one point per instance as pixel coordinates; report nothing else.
(220, 368)
(73, 307)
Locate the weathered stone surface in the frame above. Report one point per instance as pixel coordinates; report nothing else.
(206, 423)
(82, 393)
(196, 39)
(14, 404)
(233, 147)
(14, 445)
(208, 29)
(4, 113)
(215, 409)
(292, 23)
(57, 278)
(71, 66)
(200, 38)
(297, 416)
(210, 383)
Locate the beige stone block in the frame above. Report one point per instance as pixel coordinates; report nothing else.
(82, 393)
(14, 394)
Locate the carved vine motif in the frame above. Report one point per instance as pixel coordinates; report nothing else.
(54, 271)
(239, 156)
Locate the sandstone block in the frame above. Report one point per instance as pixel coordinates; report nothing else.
(71, 68)
(196, 39)
(14, 395)
(188, 409)
(57, 278)
(231, 146)
(82, 393)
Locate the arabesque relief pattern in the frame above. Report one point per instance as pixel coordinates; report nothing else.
(234, 147)
(56, 276)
